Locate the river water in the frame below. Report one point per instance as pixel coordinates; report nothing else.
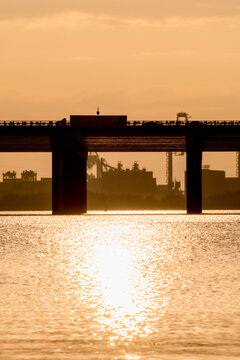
(120, 286)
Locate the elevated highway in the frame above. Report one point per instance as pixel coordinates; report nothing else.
(70, 144)
(138, 137)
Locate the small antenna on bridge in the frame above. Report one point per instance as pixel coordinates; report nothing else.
(98, 112)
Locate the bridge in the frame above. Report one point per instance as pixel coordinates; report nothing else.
(70, 145)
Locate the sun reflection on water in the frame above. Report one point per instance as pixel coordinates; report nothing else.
(123, 294)
(113, 276)
(119, 287)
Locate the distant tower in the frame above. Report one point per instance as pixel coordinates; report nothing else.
(169, 170)
(238, 164)
(98, 112)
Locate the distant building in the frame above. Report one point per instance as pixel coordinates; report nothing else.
(27, 184)
(215, 182)
(134, 181)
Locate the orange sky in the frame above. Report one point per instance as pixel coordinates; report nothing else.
(148, 59)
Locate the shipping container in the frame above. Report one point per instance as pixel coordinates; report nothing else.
(98, 121)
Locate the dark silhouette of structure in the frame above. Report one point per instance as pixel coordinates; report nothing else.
(238, 164)
(26, 175)
(9, 175)
(129, 181)
(29, 175)
(120, 189)
(25, 192)
(71, 141)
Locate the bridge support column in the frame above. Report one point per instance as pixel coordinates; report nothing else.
(194, 177)
(69, 179)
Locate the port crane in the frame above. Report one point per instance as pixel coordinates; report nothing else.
(101, 163)
(181, 116)
(9, 175)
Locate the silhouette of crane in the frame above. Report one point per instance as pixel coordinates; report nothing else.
(101, 163)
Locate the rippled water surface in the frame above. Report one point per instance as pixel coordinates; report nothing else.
(120, 286)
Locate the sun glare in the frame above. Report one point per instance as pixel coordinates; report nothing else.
(123, 292)
(114, 275)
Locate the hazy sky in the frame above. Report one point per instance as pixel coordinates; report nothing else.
(148, 59)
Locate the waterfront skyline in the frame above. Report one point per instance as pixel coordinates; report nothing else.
(156, 162)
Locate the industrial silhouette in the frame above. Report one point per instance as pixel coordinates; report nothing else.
(70, 142)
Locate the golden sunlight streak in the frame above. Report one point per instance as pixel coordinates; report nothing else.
(111, 276)
(123, 293)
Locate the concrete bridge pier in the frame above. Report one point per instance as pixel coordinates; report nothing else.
(69, 178)
(194, 176)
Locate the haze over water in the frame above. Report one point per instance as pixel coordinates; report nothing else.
(119, 286)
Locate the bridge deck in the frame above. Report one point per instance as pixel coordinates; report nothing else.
(130, 138)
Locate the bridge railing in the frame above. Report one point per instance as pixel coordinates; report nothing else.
(131, 123)
(46, 123)
(171, 123)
